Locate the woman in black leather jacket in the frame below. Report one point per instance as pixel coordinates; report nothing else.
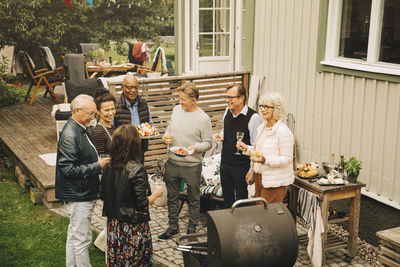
(126, 194)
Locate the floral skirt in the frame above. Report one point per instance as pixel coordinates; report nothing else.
(128, 244)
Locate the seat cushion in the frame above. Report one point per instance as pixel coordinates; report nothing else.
(52, 79)
(77, 87)
(62, 116)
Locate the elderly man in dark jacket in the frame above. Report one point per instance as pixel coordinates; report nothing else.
(77, 180)
(131, 108)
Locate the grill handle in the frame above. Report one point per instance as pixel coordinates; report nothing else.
(242, 201)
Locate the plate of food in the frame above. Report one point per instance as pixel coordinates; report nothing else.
(147, 130)
(308, 171)
(337, 181)
(180, 151)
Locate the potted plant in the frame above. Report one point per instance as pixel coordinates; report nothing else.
(352, 168)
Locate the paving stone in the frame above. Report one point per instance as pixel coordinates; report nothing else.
(165, 252)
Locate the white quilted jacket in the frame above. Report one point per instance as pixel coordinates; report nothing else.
(276, 145)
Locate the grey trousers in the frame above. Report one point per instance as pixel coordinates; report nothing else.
(79, 237)
(172, 177)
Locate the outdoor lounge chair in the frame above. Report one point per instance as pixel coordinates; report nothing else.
(87, 47)
(139, 58)
(40, 78)
(159, 62)
(49, 61)
(75, 67)
(73, 88)
(84, 48)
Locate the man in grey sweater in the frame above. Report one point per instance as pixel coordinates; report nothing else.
(190, 127)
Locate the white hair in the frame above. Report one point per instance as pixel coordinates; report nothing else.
(80, 101)
(274, 99)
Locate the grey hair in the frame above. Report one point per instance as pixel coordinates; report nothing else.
(274, 99)
(80, 101)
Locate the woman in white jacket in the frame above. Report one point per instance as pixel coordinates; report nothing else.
(275, 142)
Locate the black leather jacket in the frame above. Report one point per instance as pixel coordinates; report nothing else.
(125, 192)
(77, 166)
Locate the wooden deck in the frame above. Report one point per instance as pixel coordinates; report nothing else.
(27, 132)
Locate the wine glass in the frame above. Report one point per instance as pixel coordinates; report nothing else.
(239, 137)
(168, 138)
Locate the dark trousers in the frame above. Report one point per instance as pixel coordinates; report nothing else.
(233, 182)
(173, 176)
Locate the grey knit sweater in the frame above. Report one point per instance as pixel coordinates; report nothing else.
(189, 129)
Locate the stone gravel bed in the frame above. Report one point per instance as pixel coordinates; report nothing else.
(365, 250)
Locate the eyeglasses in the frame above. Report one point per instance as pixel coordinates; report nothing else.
(130, 88)
(91, 114)
(265, 107)
(232, 97)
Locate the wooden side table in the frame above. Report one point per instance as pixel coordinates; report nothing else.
(326, 194)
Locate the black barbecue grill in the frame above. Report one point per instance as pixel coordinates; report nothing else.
(244, 236)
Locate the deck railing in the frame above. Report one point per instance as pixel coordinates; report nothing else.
(162, 96)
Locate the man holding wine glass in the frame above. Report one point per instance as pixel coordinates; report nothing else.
(240, 124)
(189, 128)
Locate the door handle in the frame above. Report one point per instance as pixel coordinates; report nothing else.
(197, 45)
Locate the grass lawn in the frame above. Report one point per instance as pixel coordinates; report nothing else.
(30, 234)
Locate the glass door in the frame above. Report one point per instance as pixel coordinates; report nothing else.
(213, 30)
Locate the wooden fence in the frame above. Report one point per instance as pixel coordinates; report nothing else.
(162, 96)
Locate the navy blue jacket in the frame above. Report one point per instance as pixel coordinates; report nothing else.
(77, 166)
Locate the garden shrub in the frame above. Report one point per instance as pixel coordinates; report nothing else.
(8, 94)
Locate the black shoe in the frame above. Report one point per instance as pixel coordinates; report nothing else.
(191, 231)
(168, 234)
(190, 238)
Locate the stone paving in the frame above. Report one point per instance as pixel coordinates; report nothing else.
(165, 253)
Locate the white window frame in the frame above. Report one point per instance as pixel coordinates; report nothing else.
(372, 64)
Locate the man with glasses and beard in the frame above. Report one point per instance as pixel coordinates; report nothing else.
(238, 117)
(131, 108)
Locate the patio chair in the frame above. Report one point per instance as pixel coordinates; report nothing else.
(40, 78)
(159, 60)
(87, 47)
(75, 67)
(77, 87)
(49, 61)
(137, 53)
(73, 88)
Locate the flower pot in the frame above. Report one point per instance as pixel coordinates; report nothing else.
(353, 178)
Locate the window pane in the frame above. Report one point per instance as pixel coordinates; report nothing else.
(206, 45)
(221, 3)
(205, 20)
(390, 36)
(221, 20)
(354, 30)
(222, 45)
(206, 3)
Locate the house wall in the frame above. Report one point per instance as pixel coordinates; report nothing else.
(335, 113)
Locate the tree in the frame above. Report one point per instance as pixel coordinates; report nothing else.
(28, 24)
